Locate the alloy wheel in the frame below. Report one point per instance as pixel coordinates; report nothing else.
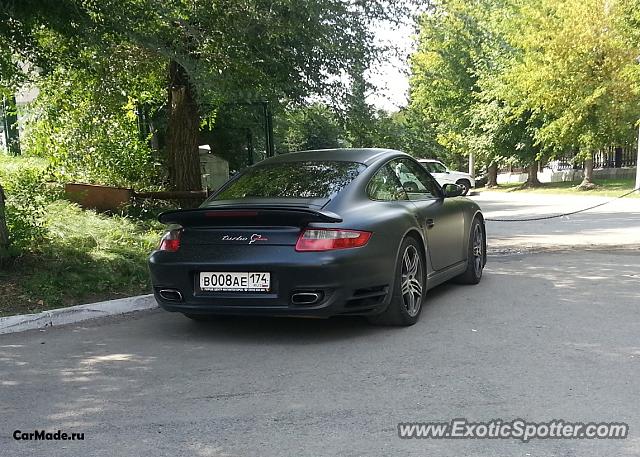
(411, 280)
(478, 249)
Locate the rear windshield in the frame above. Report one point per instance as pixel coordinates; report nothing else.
(317, 179)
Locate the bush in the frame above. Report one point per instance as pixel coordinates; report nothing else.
(27, 195)
(67, 255)
(82, 257)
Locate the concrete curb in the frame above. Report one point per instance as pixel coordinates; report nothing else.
(70, 315)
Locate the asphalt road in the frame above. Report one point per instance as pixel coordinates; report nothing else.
(612, 225)
(543, 336)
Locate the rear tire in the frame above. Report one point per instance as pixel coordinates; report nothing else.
(475, 255)
(408, 288)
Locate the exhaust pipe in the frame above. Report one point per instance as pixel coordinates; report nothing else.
(305, 298)
(170, 294)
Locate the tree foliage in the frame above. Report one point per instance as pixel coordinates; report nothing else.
(214, 51)
(314, 127)
(573, 73)
(524, 80)
(445, 71)
(86, 121)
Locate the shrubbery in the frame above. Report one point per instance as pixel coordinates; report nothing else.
(87, 128)
(62, 253)
(27, 194)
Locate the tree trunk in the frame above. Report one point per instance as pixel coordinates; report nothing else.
(4, 233)
(532, 179)
(182, 132)
(587, 182)
(492, 175)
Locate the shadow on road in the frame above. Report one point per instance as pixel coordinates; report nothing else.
(270, 329)
(542, 336)
(284, 330)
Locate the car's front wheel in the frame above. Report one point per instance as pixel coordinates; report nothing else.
(465, 184)
(408, 289)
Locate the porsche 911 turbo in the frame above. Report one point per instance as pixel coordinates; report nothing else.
(319, 234)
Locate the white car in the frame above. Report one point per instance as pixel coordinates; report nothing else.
(445, 176)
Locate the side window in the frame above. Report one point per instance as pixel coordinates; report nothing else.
(437, 167)
(384, 185)
(436, 189)
(418, 184)
(428, 166)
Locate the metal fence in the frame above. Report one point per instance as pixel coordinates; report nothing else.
(611, 157)
(615, 157)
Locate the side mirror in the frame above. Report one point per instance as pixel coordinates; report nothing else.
(452, 190)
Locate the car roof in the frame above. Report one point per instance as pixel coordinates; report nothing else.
(428, 160)
(365, 156)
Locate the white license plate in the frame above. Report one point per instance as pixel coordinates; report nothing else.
(235, 282)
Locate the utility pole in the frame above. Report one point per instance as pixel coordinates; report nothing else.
(638, 151)
(638, 163)
(4, 233)
(249, 147)
(268, 129)
(472, 165)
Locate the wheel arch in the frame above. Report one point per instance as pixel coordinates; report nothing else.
(414, 232)
(419, 236)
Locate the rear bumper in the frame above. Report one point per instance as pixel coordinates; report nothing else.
(348, 281)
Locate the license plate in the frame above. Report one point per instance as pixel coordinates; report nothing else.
(235, 281)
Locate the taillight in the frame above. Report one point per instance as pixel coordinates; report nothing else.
(329, 239)
(171, 240)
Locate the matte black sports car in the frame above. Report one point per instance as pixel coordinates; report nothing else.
(320, 233)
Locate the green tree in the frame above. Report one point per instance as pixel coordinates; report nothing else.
(214, 50)
(461, 50)
(312, 127)
(408, 132)
(573, 75)
(359, 116)
(500, 131)
(86, 119)
(444, 79)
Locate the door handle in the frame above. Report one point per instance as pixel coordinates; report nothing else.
(430, 223)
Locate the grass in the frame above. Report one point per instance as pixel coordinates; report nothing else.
(83, 257)
(10, 165)
(606, 188)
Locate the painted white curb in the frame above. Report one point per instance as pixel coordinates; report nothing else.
(73, 314)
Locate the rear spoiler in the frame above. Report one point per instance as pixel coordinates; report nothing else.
(246, 216)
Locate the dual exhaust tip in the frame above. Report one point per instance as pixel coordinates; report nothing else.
(297, 298)
(170, 294)
(306, 298)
